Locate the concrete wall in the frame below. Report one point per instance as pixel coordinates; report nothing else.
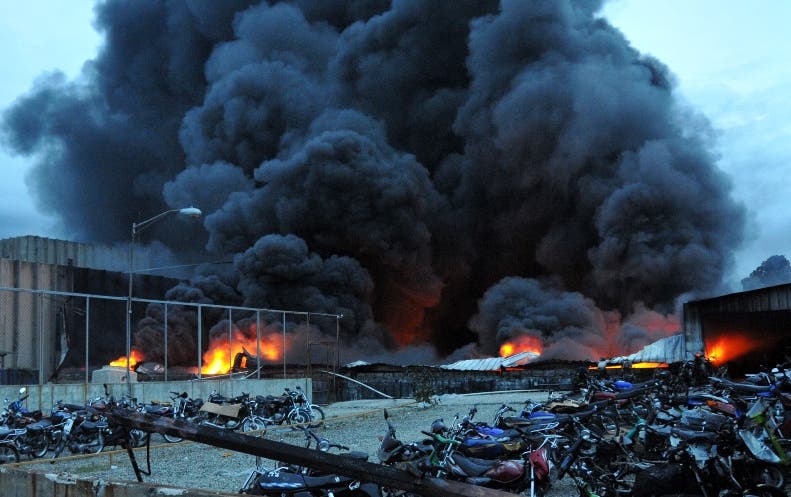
(28, 321)
(45, 396)
(16, 482)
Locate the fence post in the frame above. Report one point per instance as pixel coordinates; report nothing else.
(200, 342)
(40, 339)
(230, 343)
(258, 341)
(166, 341)
(87, 336)
(284, 345)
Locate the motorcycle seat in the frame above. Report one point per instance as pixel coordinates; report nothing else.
(89, 425)
(328, 480)
(156, 409)
(38, 426)
(473, 467)
(741, 387)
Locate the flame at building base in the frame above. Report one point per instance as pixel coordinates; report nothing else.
(221, 354)
(223, 350)
(135, 357)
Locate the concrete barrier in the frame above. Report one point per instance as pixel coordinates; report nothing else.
(45, 396)
(16, 482)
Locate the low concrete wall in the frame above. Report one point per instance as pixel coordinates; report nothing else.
(15, 482)
(45, 396)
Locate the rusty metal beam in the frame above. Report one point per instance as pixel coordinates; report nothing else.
(322, 461)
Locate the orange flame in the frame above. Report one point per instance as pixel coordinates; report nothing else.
(135, 357)
(522, 343)
(726, 348)
(219, 358)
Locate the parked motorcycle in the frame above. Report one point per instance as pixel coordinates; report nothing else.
(262, 411)
(8, 445)
(301, 401)
(299, 481)
(83, 431)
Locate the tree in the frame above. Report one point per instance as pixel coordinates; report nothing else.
(775, 270)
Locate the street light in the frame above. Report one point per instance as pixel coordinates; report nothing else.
(191, 212)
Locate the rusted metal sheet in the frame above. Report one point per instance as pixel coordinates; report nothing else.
(323, 461)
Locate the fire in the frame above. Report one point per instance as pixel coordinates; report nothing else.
(135, 357)
(219, 358)
(727, 348)
(522, 343)
(649, 365)
(637, 365)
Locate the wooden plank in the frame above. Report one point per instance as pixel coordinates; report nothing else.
(292, 454)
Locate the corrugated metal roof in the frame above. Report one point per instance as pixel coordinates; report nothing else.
(492, 363)
(669, 349)
(357, 364)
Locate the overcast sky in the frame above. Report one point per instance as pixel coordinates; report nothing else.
(729, 58)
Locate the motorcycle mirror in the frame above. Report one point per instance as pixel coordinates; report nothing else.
(22, 391)
(183, 395)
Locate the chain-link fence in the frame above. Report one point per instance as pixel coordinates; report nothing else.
(62, 337)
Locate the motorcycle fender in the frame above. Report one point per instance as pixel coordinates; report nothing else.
(757, 448)
(506, 471)
(540, 462)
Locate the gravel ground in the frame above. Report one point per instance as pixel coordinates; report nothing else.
(356, 424)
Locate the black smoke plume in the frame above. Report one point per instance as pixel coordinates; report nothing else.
(392, 161)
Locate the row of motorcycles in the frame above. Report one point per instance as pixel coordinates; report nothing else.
(85, 428)
(611, 439)
(80, 429)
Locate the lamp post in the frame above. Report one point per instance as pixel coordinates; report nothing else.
(191, 212)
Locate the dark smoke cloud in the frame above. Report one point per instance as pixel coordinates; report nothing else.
(394, 161)
(520, 306)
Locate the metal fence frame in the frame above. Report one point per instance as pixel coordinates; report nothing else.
(40, 294)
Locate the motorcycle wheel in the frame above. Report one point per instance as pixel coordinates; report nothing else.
(39, 447)
(59, 447)
(298, 417)
(316, 414)
(38, 453)
(172, 438)
(764, 491)
(8, 454)
(253, 423)
(768, 475)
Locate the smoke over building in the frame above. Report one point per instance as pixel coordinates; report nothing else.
(441, 173)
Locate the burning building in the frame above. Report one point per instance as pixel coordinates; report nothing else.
(746, 330)
(455, 178)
